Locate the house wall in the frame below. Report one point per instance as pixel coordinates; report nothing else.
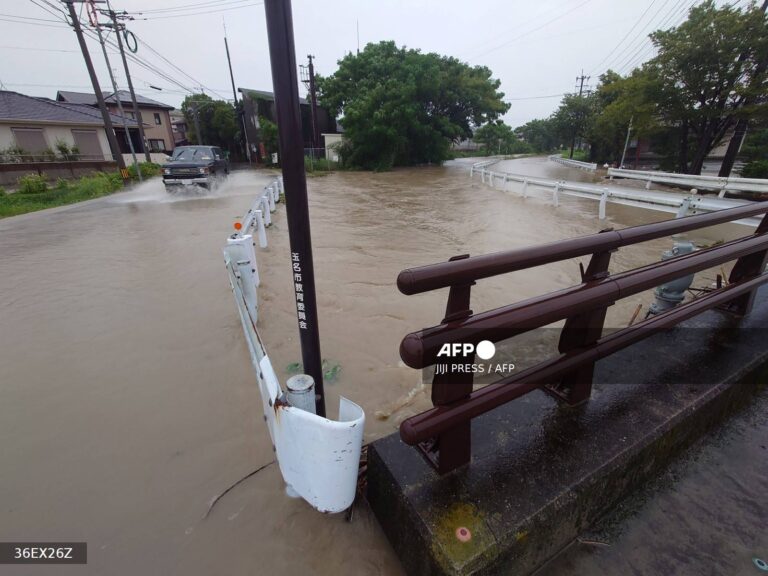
(152, 131)
(52, 133)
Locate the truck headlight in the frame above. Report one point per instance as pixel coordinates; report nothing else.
(203, 170)
(166, 171)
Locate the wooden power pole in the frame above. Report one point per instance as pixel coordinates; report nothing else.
(108, 128)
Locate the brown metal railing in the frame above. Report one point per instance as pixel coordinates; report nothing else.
(442, 434)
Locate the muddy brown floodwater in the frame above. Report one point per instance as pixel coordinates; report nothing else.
(128, 401)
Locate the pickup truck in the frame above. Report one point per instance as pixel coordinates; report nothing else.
(200, 165)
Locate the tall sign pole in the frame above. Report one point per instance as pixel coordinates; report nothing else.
(111, 138)
(285, 82)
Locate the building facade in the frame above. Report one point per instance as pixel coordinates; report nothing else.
(155, 117)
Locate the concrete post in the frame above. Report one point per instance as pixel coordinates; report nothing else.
(261, 229)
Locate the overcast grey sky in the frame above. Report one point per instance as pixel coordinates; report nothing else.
(536, 48)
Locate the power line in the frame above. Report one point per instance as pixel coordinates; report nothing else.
(646, 49)
(612, 52)
(638, 40)
(29, 18)
(544, 25)
(34, 23)
(187, 14)
(196, 6)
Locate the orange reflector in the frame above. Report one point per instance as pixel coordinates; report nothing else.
(238, 225)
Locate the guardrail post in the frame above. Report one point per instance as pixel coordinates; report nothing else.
(556, 195)
(452, 448)
(525, 188)
(471, 170)
(265, 211)
(745, 268)
(271, 199)
(582, 330)
(603, 201)
(261, 230)
(241, 254)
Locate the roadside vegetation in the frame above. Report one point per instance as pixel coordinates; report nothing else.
(35, 192)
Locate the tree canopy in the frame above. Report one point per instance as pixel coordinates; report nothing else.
(217, 120)
(709, 73)
(401, 107)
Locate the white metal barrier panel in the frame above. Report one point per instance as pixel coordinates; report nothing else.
(723, 185)
(587, 166)
(678, 204)
(318, 458)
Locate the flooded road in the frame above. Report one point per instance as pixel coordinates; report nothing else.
(128, 401)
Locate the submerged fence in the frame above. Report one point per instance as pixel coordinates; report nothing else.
(318, 457)
(442, 433)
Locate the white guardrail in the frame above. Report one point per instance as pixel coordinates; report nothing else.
(586, 166)
(318, 458)
(678, 204)
(723, 185)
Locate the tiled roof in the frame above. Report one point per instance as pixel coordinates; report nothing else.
(15, 106)
(125, 98)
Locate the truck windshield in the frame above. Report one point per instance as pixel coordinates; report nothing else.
(192, 154)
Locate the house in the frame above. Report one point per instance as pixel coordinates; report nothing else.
(154, 115)
(39, 135)
(259, 103)
(38, 125)
(179, 128)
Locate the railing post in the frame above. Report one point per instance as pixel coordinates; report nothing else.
(556, 195)
(745, 268)
(525, 188)
(603, 201)
(452, 448)
(582, 330)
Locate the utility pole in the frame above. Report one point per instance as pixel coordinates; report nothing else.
(282, 54)
(111, 138)
(740, 132)
(626, 142)
(119, 103)
(136, 111)
(240, 113)
(580, 80)
(313, 103)
(195, 116)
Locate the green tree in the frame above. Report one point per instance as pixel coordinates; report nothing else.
(573, 118)
(401, 107)
(706, 70)
(217, 120)
(539, 134)
(268, 135)
(498, 138)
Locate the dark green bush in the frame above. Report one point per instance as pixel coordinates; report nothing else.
(755, 169)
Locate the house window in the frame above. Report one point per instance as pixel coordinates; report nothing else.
(156, 145)
(30, 140)
(131, 115)
(158, 121)
(88, 146)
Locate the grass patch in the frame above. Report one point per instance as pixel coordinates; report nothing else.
(319, 165)
(35, 193)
